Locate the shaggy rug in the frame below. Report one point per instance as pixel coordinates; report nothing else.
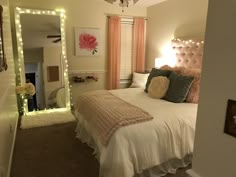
(46, 119)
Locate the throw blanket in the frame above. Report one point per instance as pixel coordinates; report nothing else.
(106, 113)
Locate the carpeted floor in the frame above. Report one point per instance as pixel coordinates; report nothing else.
(54, 151)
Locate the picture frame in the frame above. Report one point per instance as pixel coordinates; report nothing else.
(53, 73)
(87, 41)
(230, 119)
(3, 63)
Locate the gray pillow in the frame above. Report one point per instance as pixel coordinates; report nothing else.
(155, 73)
(178, 88)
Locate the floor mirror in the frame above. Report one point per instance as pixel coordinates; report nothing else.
(42, 61)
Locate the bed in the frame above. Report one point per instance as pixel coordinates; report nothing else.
(154, 147)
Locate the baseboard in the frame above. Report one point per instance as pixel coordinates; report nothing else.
(13, 145)
(192, 173)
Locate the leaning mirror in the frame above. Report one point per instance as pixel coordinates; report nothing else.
(42, 60)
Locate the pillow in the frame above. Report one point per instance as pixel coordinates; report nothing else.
(158, 87)
(177, 69)
(154, 73)
(139, 80)
(178, 88)
(193, 94)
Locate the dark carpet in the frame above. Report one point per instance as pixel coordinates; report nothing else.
(54, 151)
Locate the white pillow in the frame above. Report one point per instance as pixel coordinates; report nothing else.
(139, 80)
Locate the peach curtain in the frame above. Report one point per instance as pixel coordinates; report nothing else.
(139, 45)
(114, 50)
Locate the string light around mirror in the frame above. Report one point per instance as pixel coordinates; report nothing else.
(20, 75)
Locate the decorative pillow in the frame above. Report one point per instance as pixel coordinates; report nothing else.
(193, 94)
(154, 73)
(158, 87)
(178, 88)
(176, 69)
(139, 80)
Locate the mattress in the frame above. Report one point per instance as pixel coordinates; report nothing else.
(138, 147)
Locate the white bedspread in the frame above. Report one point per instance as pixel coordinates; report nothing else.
(144, 145)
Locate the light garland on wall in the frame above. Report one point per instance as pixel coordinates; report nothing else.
(169, 57)
(188, 41)
(21, 72)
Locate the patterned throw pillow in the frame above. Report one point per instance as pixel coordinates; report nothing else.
(154, 73)
(158, 87)
(178, 88)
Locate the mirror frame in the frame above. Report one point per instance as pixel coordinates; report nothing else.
(21, 74)
(3, 63)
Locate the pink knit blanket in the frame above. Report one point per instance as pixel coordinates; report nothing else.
(105, 113)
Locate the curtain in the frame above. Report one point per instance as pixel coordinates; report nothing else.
(114, 50)
(139, 45)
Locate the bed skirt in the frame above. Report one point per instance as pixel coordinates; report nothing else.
(157, 171)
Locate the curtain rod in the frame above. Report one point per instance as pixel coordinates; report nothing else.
(125, 16)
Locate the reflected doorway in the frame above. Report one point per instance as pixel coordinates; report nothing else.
(32, 102)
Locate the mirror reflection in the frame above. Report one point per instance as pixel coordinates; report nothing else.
(43, 63)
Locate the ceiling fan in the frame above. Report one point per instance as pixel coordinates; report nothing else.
(57, 36)
(123, 3)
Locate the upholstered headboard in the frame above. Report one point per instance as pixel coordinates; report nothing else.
(188, 53)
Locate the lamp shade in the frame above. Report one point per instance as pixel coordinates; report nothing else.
(159, 62)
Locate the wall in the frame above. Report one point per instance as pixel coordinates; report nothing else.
(170, 19)
(84, 13)
(52, 57)
(33, 55)
(8, 108)
(214, 151)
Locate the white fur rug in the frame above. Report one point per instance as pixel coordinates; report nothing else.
(46, 119)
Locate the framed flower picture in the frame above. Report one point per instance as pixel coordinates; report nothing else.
(87, 42)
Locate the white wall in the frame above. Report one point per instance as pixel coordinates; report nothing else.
(84, 13)
(170, 19)
(52, 57)
(33, 55)
(8, 108)
(214, 151)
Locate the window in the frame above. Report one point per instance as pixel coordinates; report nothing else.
(126, 50)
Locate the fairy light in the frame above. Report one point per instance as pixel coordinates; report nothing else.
(21, 70)
(168, 56)
(190, 41)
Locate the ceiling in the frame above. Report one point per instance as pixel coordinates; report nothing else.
(35, 29)
(140, 3)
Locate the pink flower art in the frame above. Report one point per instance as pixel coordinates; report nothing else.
(88, 42)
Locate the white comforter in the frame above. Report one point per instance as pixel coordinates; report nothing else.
(144, 145)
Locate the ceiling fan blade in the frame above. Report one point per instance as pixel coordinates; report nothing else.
(53, 36)
(110, 1)
(57, 40)
(135, 1)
